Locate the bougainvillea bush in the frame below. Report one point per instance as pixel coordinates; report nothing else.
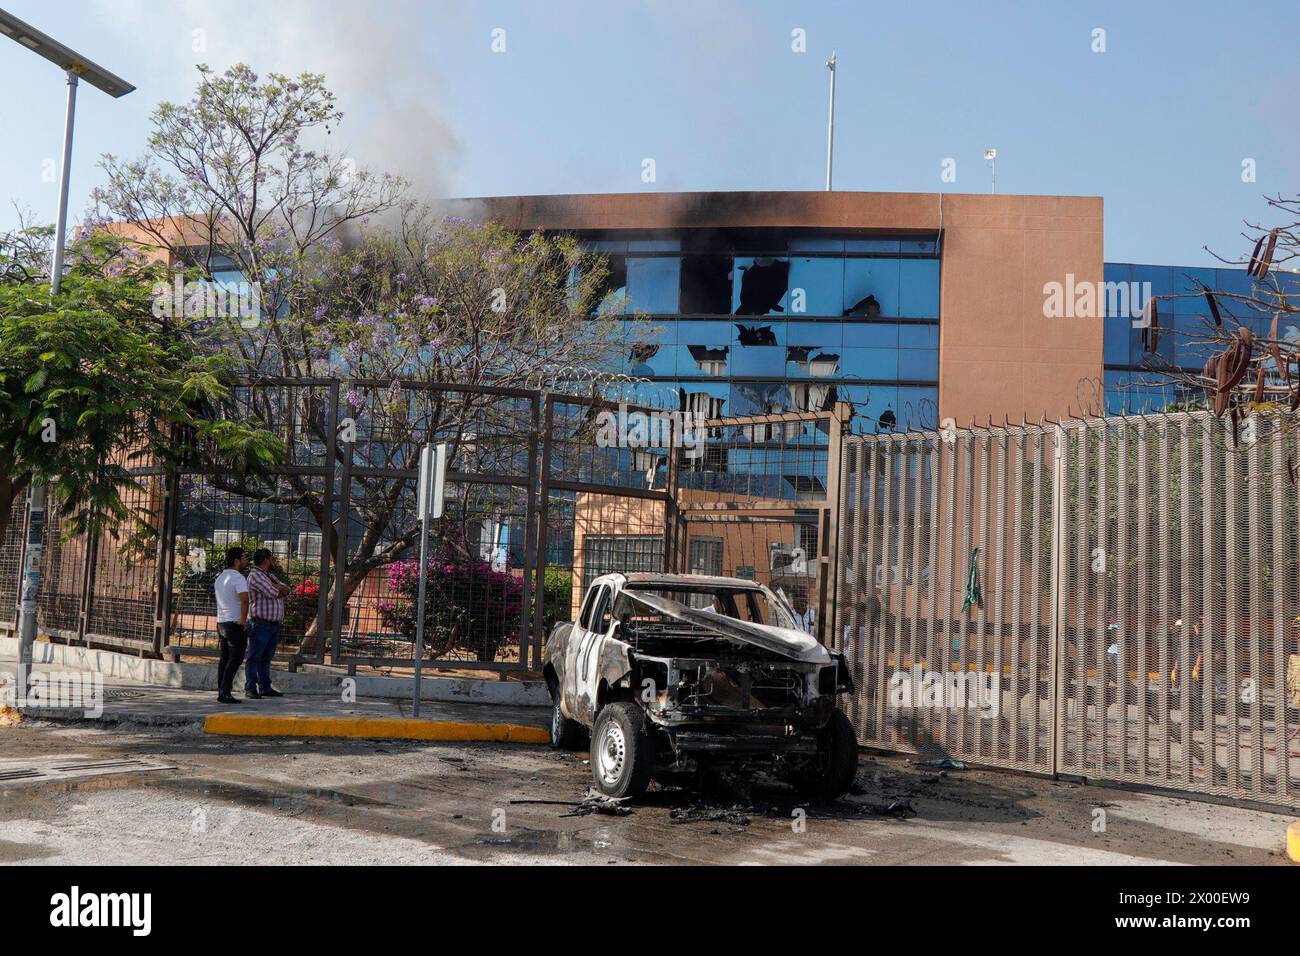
(468, 606)
(300, 607)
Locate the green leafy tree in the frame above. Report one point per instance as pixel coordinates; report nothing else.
(92, 381)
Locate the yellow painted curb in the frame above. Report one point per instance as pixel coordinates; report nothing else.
(1293, 842)
(392, 728)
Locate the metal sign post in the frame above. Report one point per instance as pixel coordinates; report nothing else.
(433, 475)
(29, 606)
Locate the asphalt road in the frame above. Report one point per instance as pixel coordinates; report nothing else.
(202, 799)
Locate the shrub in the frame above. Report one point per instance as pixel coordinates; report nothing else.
(300, 606)
(557, 597)
(468, 606)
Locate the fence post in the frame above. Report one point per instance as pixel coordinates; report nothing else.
(532, 593)
(672, 522)
(543, 508)
(327, 520)
(341, 545)
(828, 557)
(166, 560)
(1054, 646)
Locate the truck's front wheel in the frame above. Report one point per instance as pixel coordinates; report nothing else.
(832, 774)
(622, 751)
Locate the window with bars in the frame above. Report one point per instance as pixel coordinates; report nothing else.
(607, 553)
(706, 556)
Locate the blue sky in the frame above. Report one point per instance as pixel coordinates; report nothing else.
(1159, 124)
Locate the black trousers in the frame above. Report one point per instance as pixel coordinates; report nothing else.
(234, 641)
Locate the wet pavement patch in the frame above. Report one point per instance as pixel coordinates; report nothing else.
(56, 770)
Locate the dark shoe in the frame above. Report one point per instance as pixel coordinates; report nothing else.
(252, 695)
(271, 692)
(227, 699)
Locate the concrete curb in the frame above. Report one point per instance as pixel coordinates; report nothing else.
(1293, 842)
(141, 670)
(388, 728)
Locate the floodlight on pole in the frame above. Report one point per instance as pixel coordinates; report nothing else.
(76, 67)
(992, 156)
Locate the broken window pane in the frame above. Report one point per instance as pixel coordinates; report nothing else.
(707, 359)
(758, 398)
(702, 399)
(706, 285)
(759, 286)
(811, 362)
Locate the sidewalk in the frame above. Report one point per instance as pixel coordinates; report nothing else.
(310, 714)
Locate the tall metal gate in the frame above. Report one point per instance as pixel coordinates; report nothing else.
(1111, 598)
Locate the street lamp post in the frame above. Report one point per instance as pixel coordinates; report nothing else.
(992, 156)
(830, 124)
(76, 67)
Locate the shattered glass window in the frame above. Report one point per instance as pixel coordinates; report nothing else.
(760, 286)
(706, 285)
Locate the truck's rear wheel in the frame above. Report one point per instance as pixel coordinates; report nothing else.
(622, 751)
(566, 734)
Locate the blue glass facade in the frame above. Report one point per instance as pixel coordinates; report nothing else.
(1133, 377)
(747, 322)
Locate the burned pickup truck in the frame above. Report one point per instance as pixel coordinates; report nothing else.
(676, 675)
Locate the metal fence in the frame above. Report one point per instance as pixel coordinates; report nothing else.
(1111, 598)
(533, 495)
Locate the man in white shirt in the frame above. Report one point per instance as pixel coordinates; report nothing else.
(231, 589)
(805, 617)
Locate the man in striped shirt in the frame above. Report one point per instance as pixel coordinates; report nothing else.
(266, 594)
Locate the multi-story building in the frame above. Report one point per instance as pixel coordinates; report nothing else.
(913, 307)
